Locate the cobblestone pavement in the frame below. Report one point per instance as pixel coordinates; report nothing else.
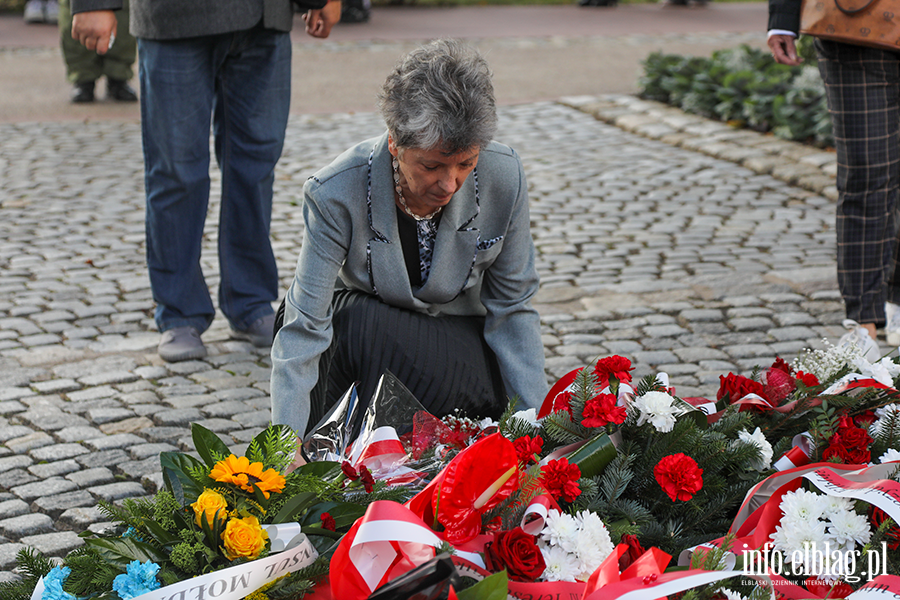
(657, 250)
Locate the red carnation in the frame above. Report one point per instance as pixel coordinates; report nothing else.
(327, 521)
(561, 479)
(526, 447)
(601, 410)
(679, 476)
(366, 477)
(517, 552)
(349, 471)
(563, 401)
(613, 367)
(808, 379)
(779, 385)
(734, 387)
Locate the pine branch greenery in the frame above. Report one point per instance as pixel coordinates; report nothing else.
(32, 566)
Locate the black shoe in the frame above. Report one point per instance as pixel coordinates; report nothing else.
(354, 14)
(83, 92)
(120, 91)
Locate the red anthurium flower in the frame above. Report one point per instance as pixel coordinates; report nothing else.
(526, 447)
(475, 481)
(679, 476)
(601, 410)
(561, 479)
(616, 366)
(327, 521)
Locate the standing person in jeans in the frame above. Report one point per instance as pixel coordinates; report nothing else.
(229, 62)
(862, 86)
(84, 68)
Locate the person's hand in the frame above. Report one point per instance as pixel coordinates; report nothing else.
(319, 22)
(94, 29)
(784, 49)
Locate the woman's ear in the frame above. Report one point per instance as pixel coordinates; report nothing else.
(392, 147)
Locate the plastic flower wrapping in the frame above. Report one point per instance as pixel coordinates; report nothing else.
(787, 482)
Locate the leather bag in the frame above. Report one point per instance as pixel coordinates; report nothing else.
(873, 23)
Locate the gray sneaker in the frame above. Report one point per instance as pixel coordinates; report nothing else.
(181, 343)
(34, 11)
(260, 333)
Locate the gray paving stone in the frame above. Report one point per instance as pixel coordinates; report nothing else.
(56, 505)
(53, 469)
(13, 508)
(120, 440)
(100, 416)
(46, 487)
(16, 477)
(29, 442)
(78, 519)
(8, 554)
(14, 462)
(58, 452)
(54, 544)
(91, 477)
(33, 524)
(78, 434)
(117, 491)
(103, 457)
(10, 432)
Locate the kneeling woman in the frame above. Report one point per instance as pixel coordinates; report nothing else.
(417, 258)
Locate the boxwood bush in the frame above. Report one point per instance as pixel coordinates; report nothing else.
(746, 88)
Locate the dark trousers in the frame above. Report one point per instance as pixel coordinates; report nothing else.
(444, 361)
(863, 92)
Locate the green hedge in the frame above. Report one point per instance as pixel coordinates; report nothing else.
(747, 88)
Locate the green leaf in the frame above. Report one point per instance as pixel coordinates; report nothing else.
(176, 467)
(121, 551)
(296, 504)
(318, 468)
(344, 514)
(495, 587)
(208, 444)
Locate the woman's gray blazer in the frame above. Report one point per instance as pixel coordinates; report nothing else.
(483, 265)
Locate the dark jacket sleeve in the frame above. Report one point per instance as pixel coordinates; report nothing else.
(79, 6)
(784, 14)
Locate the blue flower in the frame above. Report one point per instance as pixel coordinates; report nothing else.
(138, 579)
(53, 584)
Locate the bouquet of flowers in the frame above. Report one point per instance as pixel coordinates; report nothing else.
(223, 522)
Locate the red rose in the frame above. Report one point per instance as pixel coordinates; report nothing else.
(601, 410)
(837, 451)
(563, 401)
(679, 476)
(865, 419)
(526, 447)
(327, 521)
(517, 552)
(855, 437)
(808, 379)
(633, 553)
(366, 477)
(561, 479)
(613, 367)
(734, 387)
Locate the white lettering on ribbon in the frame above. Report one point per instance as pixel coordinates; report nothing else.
(884, 494)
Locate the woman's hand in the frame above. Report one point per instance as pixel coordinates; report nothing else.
(784, 49)
(299, 461)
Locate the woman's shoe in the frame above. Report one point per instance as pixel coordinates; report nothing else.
(858, 336)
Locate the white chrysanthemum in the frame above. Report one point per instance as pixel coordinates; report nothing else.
(658, 409)
(529, 416)
(588, 557)
(832, 505)
(802, 506)
(890, 456)
(593, 528)
(730, 594)
(560, 565)
(561, 530)
(848, 528)
(798, 539)
(758, 439)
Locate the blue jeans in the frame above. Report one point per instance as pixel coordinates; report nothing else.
(240, 82)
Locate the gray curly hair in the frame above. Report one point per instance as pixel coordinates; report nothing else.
(440, 96)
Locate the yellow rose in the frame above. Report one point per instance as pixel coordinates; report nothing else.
(244, 537)
(207, 504)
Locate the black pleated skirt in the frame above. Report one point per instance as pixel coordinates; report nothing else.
(444, 361)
